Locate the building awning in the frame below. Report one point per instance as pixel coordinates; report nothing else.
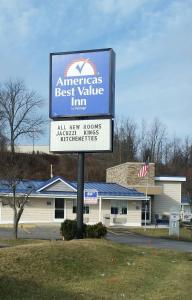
(151, 190)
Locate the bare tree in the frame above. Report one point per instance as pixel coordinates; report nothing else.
(130, 140)
(19, 113)
(153, 141)
(16, 201)
(125, 140)
(3, 143)
(20, 117)
(16, 193)
(3, 140)
(187, 151)
(176, 155)
(117, 143)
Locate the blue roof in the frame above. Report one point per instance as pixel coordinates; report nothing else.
(22, 186)
(111, 189)
(103, 188)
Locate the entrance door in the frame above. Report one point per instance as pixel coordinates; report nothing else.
(145, 206)
(119, 212)
(59, 209)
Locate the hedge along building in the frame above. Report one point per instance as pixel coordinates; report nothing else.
(164, 192)
(55, 200)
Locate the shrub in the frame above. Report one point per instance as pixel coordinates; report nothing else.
(90, 231)
(96, 231)
(68, 229)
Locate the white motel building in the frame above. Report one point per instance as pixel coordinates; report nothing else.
(121, 200)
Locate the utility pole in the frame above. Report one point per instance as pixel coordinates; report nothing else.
(80, 194)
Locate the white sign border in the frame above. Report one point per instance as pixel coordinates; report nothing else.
(75, 150)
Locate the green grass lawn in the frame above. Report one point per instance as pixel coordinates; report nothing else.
(13, 242)
(93, 269)
(185, 234)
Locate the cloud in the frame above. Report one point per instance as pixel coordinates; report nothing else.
(16, 20)
(155, 70)
(121, 8)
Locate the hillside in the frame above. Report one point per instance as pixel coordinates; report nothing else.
(38, 166)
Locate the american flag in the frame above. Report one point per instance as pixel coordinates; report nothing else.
(144, 170)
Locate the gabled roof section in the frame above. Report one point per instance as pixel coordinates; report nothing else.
(57, 184)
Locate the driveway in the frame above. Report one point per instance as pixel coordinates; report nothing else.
(33, 231)
(52, 232)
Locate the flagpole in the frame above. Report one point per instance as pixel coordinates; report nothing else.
(146, 192)
(142, 173)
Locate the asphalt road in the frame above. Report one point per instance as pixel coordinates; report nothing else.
(52, 232)
(150, 242)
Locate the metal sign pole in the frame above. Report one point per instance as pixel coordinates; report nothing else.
(80, 189)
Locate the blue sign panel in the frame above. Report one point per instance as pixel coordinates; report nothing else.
(90, 196)
(82, 83)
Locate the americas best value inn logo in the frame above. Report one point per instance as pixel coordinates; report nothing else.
(80, 81)
(83, 66)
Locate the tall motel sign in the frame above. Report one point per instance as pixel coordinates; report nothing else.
(81, 108)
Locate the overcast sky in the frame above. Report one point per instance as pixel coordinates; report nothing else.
(152, 40)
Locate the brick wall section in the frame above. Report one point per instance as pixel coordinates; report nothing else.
(127, 174)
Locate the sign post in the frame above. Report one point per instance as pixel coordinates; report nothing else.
(174, 223)
(82, 93)
(80, 189)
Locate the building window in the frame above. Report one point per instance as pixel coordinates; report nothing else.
(114, 210)
(117, 210)
(59, 214)
(118, 207)
(124, 211)
(86, 209)
(59, 208)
